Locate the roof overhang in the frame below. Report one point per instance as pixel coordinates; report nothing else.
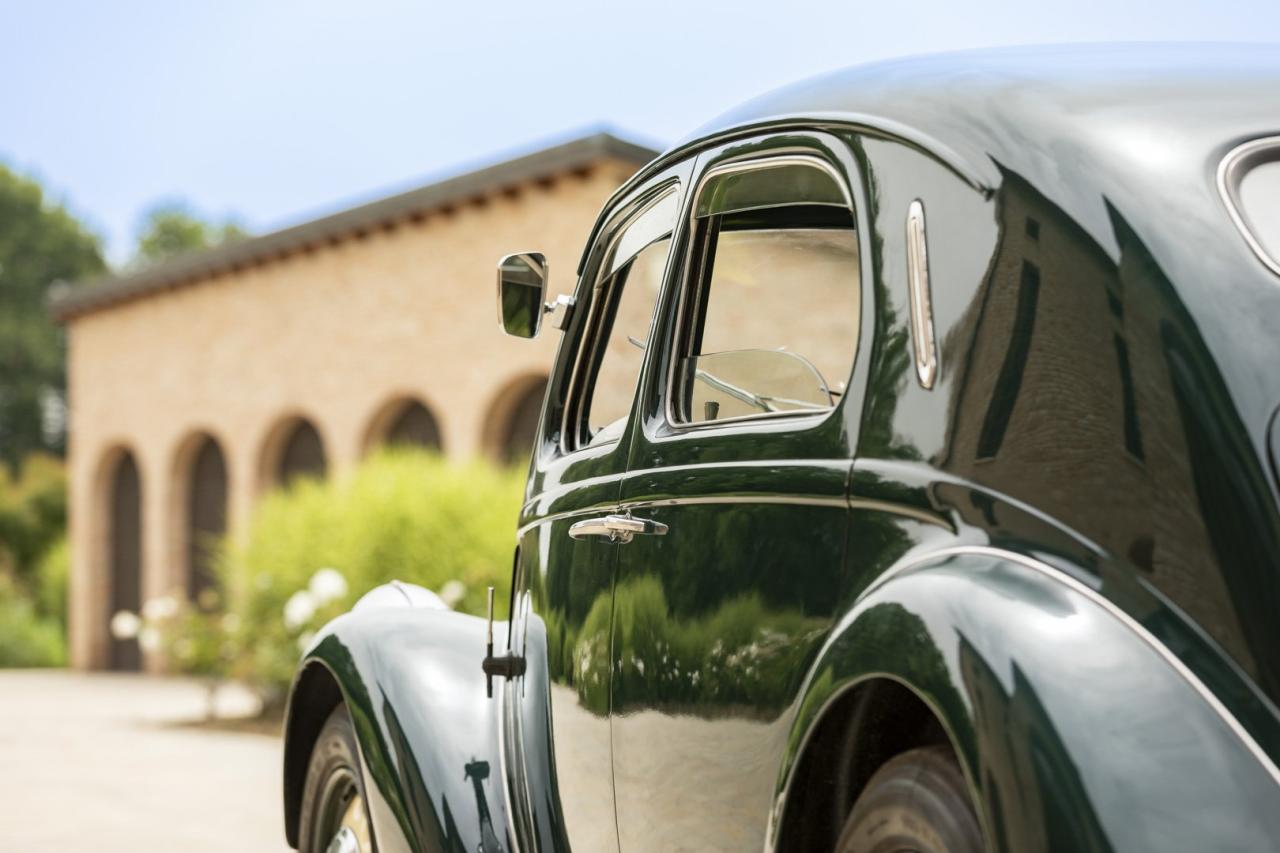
(547, 164)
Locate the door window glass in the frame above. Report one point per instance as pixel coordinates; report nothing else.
(771, 317)
(623, 301)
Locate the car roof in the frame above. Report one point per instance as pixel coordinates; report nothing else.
(989, 102)
(1088, 125)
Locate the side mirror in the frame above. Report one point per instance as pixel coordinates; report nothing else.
(522, 289)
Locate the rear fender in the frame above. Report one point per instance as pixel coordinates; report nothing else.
(428, 736)
(1075, 728)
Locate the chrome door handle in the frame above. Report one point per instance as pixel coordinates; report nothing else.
(618, 528)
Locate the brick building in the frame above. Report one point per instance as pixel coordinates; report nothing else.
(199, 383)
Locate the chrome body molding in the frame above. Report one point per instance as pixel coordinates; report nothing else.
(1232, 168)
(922, 336)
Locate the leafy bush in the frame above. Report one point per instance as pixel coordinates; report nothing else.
(26, 638)
(33, 563)
(50, 582)
(314, 549)
(33, 514)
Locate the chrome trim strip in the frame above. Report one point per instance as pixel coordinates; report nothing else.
(840, 466)
(771, 500)
(1111, 608)
(903, 510)
(832, 502)
(704, 500)
(1229, 174)
(922, 335)
(562, 516)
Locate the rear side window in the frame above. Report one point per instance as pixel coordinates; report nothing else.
(1250, 183)
(770, 313)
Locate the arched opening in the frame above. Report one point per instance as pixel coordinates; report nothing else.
(512, 426)
(206, 518)
(301, 454)
(404, 423)
(124, 557)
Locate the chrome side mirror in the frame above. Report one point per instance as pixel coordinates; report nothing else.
(522, 289)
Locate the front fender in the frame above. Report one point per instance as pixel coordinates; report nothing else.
(428, 735)
(1076, 730)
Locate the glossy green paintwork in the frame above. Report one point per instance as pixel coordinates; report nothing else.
(425, 789)
(1104, 405)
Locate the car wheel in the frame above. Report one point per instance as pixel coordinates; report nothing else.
(334, 818)
(917, 801)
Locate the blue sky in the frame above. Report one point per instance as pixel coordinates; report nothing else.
(274, 111)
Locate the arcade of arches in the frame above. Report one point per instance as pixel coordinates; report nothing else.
(292, 450)
(200, 384)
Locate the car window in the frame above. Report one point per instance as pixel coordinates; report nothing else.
(770, 314)
(622, 305)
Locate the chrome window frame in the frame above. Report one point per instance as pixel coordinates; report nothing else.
(683, 301)
(589, 342)
(1234, 166)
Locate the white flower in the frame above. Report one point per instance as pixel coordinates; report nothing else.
(327, 585)
(299, 609)
(125, 625)
(452, 592)
(160, 609)
(304, 640)
(149, 639)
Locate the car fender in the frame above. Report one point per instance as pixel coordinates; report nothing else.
(1075, 727)
(409, 671)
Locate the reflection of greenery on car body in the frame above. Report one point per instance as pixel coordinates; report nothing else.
(739, 654)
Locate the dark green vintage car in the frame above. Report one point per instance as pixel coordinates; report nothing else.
(906, 481)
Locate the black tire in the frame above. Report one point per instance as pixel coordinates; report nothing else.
(916, 802)
(334, 788)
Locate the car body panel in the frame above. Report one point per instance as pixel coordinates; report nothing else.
(1067, 546)
(563, 588)
(408, 674)
(714, 626)
(1025, 666)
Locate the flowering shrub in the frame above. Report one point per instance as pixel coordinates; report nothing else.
(314, 549)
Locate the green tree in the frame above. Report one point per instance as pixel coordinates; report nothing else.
(40, 243)
(172, 228)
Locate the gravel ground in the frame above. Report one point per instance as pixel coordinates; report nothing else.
(102, 762)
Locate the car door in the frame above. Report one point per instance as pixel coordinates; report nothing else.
(559, 761)
(736, 488)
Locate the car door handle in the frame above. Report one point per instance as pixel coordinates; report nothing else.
(618, 528)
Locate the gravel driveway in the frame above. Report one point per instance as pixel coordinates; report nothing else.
(100, 762)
